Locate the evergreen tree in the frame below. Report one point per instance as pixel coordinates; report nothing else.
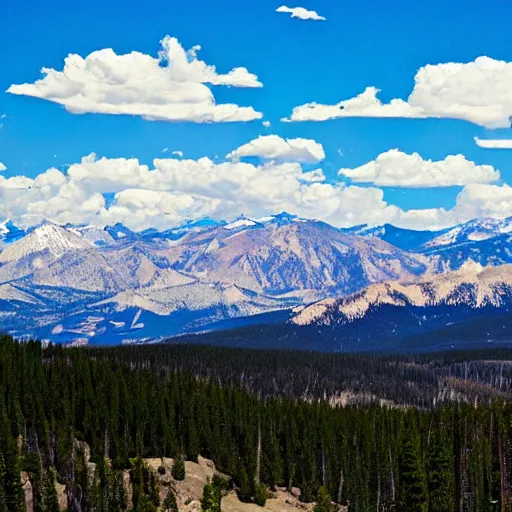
(441, 483)
(260, 495)
(323, 501)
(211, 500)
(244, 486)
(50, 502)
(412, 495)
(178, 468)
(3, 493)
(170, 504)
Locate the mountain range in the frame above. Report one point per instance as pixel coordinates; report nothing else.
(83, 284)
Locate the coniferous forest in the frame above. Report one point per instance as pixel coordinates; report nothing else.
(432, 433)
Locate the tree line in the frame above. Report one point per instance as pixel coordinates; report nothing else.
(56, 401)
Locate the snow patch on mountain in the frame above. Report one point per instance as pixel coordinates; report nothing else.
(472, 285)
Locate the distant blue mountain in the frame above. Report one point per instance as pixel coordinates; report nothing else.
(9, 232)
(406, 239)
(485, 241)
(203, 224)
(120, 232)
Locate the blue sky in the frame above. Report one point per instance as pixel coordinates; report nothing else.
(360, 44)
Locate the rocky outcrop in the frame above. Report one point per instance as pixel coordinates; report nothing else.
(26, 485)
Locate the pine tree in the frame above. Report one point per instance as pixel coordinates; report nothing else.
(323, 500)
(50, 499)
(211, 500)
(3, 493)
(170, 504)
(441, 483)
(244, 486)
(260, 495)
(412, 495)
(178, 468)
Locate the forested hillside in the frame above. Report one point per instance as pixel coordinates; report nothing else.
(456, 456)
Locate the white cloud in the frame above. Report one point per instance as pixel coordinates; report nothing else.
(397, 169)
(2, 167)
(169, 88)
(479, 92)
(301, 13)
(171, 190)
(494, 143)
(165, 150)
(273, 147)
(266, 124)
(177, 153)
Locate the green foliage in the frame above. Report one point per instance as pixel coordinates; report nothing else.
(145, 494)
(323, 500)
(260, 495)
(244, 485)
(211, 500)
(413, 492)
(131, 403)
(440, 470)
(50, 502)
(178, 468)
(221, 483)
(170, 504)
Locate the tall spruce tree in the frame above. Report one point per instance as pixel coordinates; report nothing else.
(412, 493)
(441, 478)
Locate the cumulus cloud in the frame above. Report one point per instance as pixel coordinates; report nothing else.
(397, 169)
(172, 190)
(494, 143)
(170, 87)
(301, 13)
(273, 147)
(266, 124)
(2, 167)
(478, 92)
(177, 153)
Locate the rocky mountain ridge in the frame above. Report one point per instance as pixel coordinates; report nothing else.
(107, 285)
(81, 283)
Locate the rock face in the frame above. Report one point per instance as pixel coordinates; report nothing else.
(189, 491)
(26, 485)
(296, 257)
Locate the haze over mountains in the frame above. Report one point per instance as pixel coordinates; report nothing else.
(87, 284)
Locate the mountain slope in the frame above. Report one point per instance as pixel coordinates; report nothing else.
(487, 241)
(386, 313)
(472, 286)
(86, 283)
(306, 259)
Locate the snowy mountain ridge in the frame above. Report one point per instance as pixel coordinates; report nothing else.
(472, 285)
(90, 283)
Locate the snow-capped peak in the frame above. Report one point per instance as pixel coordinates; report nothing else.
(240, 222)
(46, 237)
(470, 267)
